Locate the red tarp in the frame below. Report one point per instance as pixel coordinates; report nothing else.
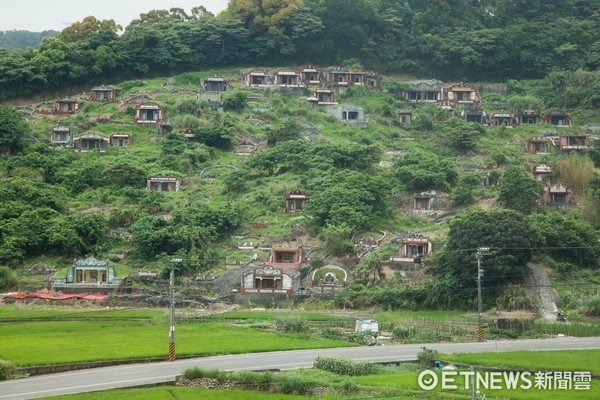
(49, 296)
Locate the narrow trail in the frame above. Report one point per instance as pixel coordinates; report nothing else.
(542, 290)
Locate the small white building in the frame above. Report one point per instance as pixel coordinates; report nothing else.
(349, 114)
(366, 325)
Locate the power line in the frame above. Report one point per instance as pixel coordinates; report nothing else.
(523, 248)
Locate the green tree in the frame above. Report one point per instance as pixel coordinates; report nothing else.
(303, 28)
(348, 28)
(592, 207)
(51, 62)
(337, 239)
(347, 197)
(509, 237)
(424, 171)
(125, 174)
(105, 60)
(395, 88)
(236, 100)
(289, 129)
(89, 227)
(83, 174)
(217, 132)
(424, 119)
(190, 231)
(567, 238)
(236, 181)
(461, 135)
(518, 191)
(463, 194)
(13, 129)
(370, 270)
(20, 39)
(576, 172)
(192, 107)
(82, 30)
(263, 15)
(518, 104)
(171, 148)
(594, 153)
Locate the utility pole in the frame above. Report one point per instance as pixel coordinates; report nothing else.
(174, 263)
(481, 251)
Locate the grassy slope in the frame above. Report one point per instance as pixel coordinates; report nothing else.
(265, 196)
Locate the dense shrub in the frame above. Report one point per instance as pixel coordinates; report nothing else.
(344, 366)
(235, 101)
(502, 333)
(296, 385)
(427, 357)
(6, 369)
(592, 306)
(291, 324)
(387, 297)
(8, 279)
(332, 333)
(198, 373)
(256, 380)
(514, 298)
(402, 333)
(363, 338)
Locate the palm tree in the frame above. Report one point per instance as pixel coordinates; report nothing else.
(369, 270)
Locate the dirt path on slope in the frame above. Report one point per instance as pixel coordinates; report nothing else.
(541, 290)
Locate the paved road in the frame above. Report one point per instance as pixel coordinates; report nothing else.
(144, 374)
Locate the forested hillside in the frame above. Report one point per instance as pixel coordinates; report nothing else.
(455, 173)
(22, 39)
(445, 39)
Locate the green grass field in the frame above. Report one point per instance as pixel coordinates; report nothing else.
(567, 360)
(408, 382)
(60, 342)
(58, 312)
(272, 315)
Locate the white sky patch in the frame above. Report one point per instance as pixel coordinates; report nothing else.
(42, 15)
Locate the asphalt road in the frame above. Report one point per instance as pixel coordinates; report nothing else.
(144, 374)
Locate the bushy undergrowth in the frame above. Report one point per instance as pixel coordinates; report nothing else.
(330, 332)
(431, 331)
(199, 373)
(257, 380)
(6, 369)
(363, 338)
(592, 306)
(344, 366)
(296, 385)
(265, 381)
(570, 329)
(427, 357)
(291, 325)
(502, 333)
